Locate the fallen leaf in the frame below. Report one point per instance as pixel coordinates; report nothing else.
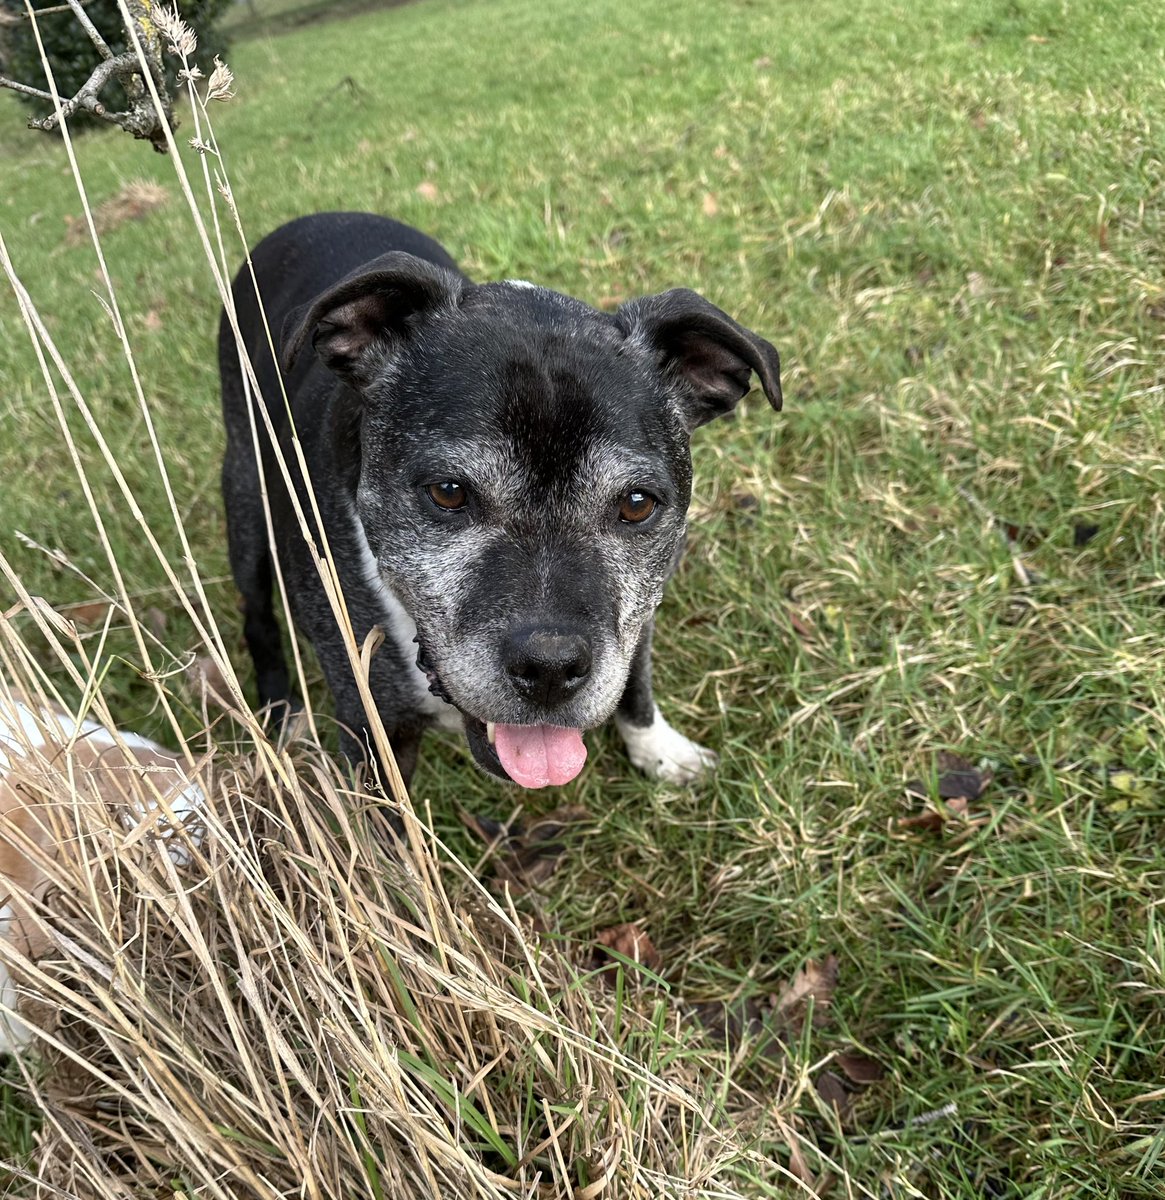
(859, 1068)
(710, 206)
(92, 613)
(532, 853)
(627, 940)
(957, 779)
(486, 828)
(811, 989)
(932, 820)
(730, 1023)
(1020, 535)
(801, 627)
(428, 191)
(763, 63)
(833, 1091)
(152, 321)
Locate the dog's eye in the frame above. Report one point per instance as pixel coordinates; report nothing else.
(448, 494)
(636, 507)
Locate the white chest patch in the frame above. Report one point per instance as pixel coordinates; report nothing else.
(402, 629)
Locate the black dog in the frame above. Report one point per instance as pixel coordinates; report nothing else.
(503, 476)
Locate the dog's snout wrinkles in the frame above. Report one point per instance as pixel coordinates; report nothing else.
(546, 665)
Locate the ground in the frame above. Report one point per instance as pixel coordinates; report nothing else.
(950, 221)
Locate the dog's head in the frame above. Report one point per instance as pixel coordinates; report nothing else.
(524, 478)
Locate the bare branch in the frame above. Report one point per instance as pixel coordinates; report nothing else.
(7, 18)
(140, 118)
(25, 89)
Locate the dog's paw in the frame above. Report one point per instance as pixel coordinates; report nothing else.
(664, 753)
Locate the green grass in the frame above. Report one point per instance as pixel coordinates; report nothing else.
(952, 223)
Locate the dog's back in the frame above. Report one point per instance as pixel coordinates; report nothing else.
(290, 266)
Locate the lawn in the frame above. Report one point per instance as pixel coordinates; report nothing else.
(951, 221)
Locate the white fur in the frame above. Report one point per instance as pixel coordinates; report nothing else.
(14, 1033)
(521, 283)
(663, 752)
(22, 732)
(399, 626)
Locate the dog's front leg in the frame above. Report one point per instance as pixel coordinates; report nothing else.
(652, 744)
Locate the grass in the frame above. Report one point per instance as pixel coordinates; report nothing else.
(951, 222)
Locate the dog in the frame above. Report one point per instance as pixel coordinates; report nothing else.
(50, 764)
(502, 473)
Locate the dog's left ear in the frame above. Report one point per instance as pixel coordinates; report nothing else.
(379, 306)
(711, 356)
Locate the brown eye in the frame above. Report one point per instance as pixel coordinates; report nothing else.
(636, 507)
(448, 494)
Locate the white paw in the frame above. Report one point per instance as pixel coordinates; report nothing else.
(663, 752)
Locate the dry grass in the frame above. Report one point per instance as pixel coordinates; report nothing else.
(309, 1006)
(953, 540)
(131, 202)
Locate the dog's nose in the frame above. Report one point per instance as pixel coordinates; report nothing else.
(546, 665)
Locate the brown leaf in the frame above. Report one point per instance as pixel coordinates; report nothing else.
(833, 1091)
(628, 940)
(730, 1023)
(534, 851)
(801, 627)
(710, 206)
(813, 984)
(859, 1068)
(428, 191)
(957, 779)
(932, 820)
(798, 1167)
(152, 320)
(485, 828)
(90, 613)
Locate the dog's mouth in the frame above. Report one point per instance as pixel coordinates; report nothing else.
(533, 756)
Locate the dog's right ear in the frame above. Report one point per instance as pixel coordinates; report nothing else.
(373, 310)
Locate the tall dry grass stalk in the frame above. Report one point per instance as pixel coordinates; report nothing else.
(307, 1007)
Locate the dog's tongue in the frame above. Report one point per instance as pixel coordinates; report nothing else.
(538, 755)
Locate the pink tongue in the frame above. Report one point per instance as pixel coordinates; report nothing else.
(538, 755)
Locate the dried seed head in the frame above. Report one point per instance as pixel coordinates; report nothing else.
(181, 37)
(222, 81)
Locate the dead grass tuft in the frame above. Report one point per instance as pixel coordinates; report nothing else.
(309, 1006)
(131, 202)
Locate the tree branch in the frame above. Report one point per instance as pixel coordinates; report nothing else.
(140, 118)
(91, 29)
